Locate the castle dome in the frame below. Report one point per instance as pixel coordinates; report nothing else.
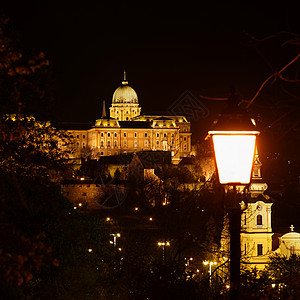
(125, 94)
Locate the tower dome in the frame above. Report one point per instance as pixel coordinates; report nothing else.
(125, 94)
(125, 105)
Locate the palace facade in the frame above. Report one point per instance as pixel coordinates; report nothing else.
(126, 130)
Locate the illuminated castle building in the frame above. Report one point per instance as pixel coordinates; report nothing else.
(126, 130)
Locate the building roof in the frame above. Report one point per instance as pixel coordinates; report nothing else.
(260, 197)
(292, 235)
(135, 124)
(163, 118)
(187, 161)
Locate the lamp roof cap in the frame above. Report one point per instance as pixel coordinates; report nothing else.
(233, 118)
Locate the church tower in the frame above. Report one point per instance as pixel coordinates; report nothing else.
(256, 227)
(125, 104)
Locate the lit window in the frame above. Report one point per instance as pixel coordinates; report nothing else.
(259, 220)
(157, 143)
(184, 147)
(102, 143)
(108, 143)
(125, 143)
(135, 144)
(259, 249)
(146, 143)
(116, 143)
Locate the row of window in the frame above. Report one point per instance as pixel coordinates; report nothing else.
(127, 112)
(77, 136)
(136, 135)
(135, 143)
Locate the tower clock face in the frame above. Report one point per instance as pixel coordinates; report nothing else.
(259, 207)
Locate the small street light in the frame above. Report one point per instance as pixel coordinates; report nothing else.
(163, 245)
(234, 140)
(210, 263)
(115, 236)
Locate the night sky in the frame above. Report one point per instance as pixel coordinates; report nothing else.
(165, 49)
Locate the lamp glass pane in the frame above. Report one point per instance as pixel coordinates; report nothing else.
(234, 157)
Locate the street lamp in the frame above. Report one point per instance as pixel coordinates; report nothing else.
(163, 245)
(234, 140)
(210, 263)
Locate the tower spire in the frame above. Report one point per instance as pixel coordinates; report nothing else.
(103, 110)
(124, 82)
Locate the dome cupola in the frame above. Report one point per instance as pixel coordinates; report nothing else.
(125, 94)
(125, 105)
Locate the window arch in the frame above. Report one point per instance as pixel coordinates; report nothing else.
(259, 220)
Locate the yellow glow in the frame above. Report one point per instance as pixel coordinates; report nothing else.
(150, 219)
(205, 263)
(79, 204)
(120, 249)
(81, 178)
(90, 250)
(75, 207)
(118, 234)
(107, 219)
(234, 156)
(136, 208)
(163, 243)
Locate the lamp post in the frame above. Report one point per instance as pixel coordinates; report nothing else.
(163, 245)
(234, 139)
